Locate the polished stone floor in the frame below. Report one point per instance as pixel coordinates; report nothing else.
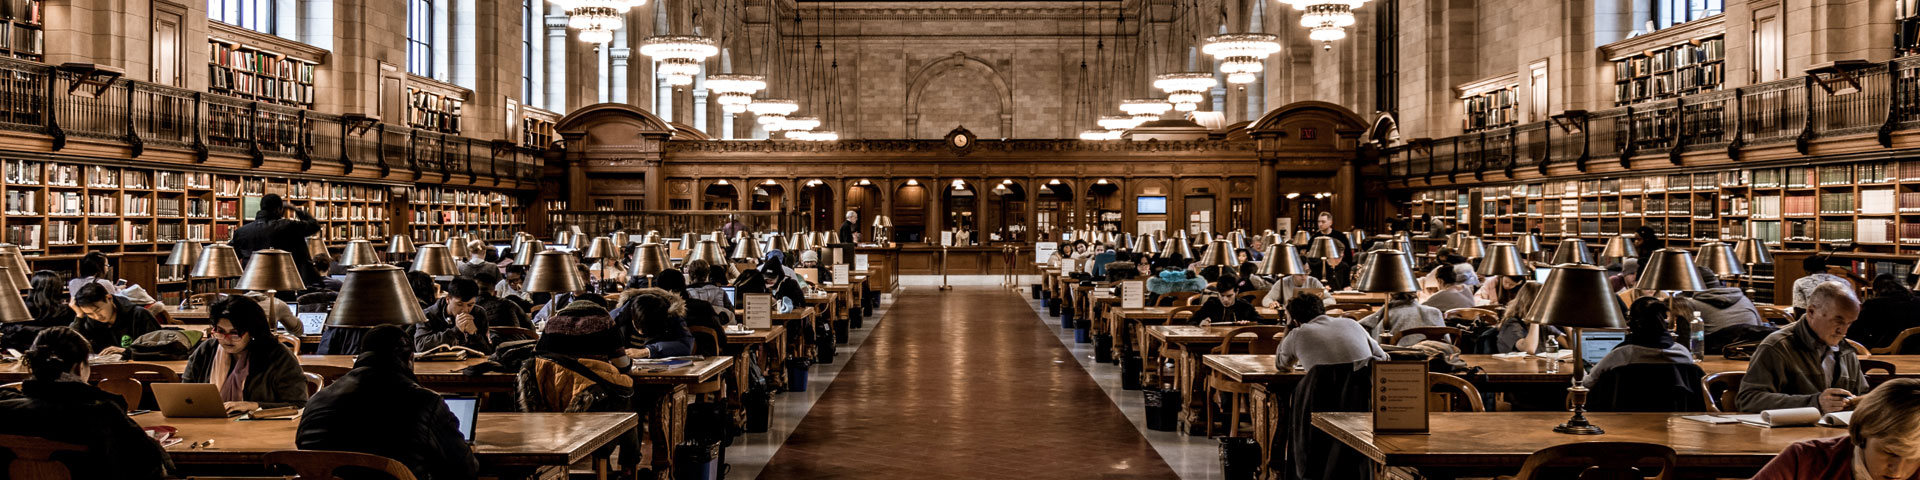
(967, 383)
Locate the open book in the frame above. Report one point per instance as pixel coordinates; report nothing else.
(1785, 417)
(447, 353)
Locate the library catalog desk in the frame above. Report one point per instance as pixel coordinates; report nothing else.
(509, 445)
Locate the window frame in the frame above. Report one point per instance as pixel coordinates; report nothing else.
(256, 15)
(1671, 13)
(420, 22)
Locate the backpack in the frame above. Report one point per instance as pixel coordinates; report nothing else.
(1441, 357)
(506, 358)
(603, 396)
(1484, 339)
(164, 344)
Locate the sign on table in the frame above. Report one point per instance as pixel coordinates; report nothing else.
(1400, 397)
(759, 307)
(1043, 251)
(860, 262)
(946, 239)
(1133, 294)
(841, 274)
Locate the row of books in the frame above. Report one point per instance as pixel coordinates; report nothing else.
(26, 236)
(1832, 231)
(431, 111)
(24, 41)
(1798, 205)
(353, 232)
(63, 175)
(1836, 203)
(1874, 230)
(22, 172)
(259, 74)
(23, 202)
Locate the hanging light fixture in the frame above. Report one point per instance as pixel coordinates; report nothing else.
(1326, 19)
(1241, 55)
(679, 55)
(1144, 110)
(1118, 122)
(800, 123)
(773, 111)
(1093, 135)
(1185, 90)
(735, 90)
(597, 19)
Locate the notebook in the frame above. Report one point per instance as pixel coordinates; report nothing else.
(464, 410)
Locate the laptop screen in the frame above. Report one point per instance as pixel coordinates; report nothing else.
(1540, 274)
(312, 322)
(732, 296)
(464, 409)
(1594, 344)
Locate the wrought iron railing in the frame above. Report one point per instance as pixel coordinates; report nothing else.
(671, 222)
(1795, 110)
(34, 98)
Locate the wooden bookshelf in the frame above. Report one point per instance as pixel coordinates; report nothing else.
(536, 133)
(22, 29)
(1690, 67)
(437, 213)
(433, 111)
(259, 74)
(1497, 108)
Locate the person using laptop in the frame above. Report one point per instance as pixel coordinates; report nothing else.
(244, 361)
(379, 408)
(57, 404)
(701, 275)
(1648, 341)
(504, 313)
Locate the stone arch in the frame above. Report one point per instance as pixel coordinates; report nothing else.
(958, 62)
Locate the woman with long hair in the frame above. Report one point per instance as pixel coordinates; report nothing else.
(57, 404)
(245, 361)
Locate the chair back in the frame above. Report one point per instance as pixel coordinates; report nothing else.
(1868, 366)
(1448, 393)
(118, 379)
(1722, 389)
(1603, 460)
(1266, 340)
(706, 342)
(1172, 317)
(324, 464)
(33, 457)
(1175, 298)
(1438, 334)
(314, 383)
(1348, 307)
(330, 373)
(1252, 298)
(1472, 316)
(315, 302)
(1649, 387)
(290, 341)
(1774, 315)
(1899, 345)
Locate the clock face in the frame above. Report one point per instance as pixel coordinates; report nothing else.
(960, 141)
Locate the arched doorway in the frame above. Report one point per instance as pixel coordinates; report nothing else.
(863, 198)
(1105, 207)
(768, 195)
(1052, 210)
(1008, 202)
(719, 195)
(815, 205)
(960, 202)
(910, 211)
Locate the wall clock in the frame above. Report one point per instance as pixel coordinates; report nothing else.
(961, 141)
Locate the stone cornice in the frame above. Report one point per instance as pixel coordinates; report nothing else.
(896, 10)
(987, 148)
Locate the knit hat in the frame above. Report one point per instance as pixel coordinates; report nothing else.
(582, 328)
(809, 256)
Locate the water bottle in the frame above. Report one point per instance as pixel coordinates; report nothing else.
(1552, 349)
(1697, 337)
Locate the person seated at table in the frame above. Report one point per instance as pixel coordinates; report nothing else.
(56, 403)
(1221, 304)
(140, 298)
(46, 303)
(1891, 310)
(476, 260)
(699, 313)
(1288, 286)
(1519, 335)
(323, 263)
(455, 320)
(704, 286)
(653, 323)
(424, 289)
(245, 361)
(571, 371)
(93, 269)
(1500, 291)
(1729, 316)
(1103, 255)
(1173, 280)
(500, 311)
(811, 259)
(1248, 277)
(1882, 442)
(1648, 341)
(1080, 255)
(1453, 289)
(1623, 274)
(513, 283)
(1402, 314)
(109, 322)
(278, 313)
(750, 281)
(1816, 268)
(1809, 363)
(1323, 340)
(782, 285)
(1430, 283)
(379, 408)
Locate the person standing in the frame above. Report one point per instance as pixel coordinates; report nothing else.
(1338, 271)
(280, 227)
(850, 228)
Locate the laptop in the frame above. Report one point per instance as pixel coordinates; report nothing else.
(1594, 344)
(732, 296)
(465, 409)
(312, 322)
(189, 400)
(1540, 274)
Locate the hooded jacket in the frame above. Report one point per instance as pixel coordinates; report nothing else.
(130, 322)
(1724, 307)
(648, 309)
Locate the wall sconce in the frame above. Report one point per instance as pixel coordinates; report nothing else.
(94, 79)
(1571, 121)
(358, 123)
(1836, 77)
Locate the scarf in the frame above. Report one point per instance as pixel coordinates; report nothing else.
(229, 375)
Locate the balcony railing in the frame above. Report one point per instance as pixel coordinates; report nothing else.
(34, 99)
(602, 222)
(1794, 111)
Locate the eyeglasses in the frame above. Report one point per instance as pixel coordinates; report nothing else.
(226, 333)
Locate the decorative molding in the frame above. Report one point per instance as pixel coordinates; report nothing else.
(234, 34)
(437, 87)
(940, 146)
(1682, 33)
(1031, 10)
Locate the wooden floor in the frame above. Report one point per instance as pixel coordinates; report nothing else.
(964, 384)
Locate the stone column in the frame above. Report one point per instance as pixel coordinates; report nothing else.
(556, 61)
(1264, 187)
(618, 90)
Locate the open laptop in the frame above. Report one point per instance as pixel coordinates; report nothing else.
(189, 400)
(732, 295)
(1594, 344)
(312, 322)
(466, 410)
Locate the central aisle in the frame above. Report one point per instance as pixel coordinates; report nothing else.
(964, 384)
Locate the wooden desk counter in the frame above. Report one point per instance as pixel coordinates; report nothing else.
(1487, 444)
(506, 443)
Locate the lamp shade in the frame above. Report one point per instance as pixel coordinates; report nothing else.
(374, 295)
(1146, 244)
(457, 247)
(1453, 239)
(1619, 246)
(1356, 236)
(217, 261)
(434, 259)
(1718, 258)
(1283, 260)
(270, 269)
(1576, 296)
(16, 264)
(13, 308)
(400, 244)
(1205, 240)
(1528, 244)
(1572, 250)
(527, 251)
(746, 248)
(621, 239)
(652, 236)
(184, 253)
(1176, 246)
(1670, 269)
(776, 242)
(552, 272)
(1218, 254)
(649, 259)
(708, 250)
(1388, 271)
(1753, 252)
(804, 241)
(565, 237)
(1324, 248)
(359, 252)
(601, 249)
(315, 245)
(1471, 247)
(687, 239)
(1238, 239)
(1503, 259)
(574, 241)
(1301, 238)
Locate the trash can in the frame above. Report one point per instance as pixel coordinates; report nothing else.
(1082, 331)
(797, 374)
(854, 317)
(694, 460)
(1239, 458)
(1035, 289)
(1066, 318)
(840, 329)
(1102, 348)
(1163, 409)
(759, 407)
(1130, 371)
(1053, 308)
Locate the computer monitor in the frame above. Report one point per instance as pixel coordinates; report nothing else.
(465, 409)
(732, 295)
(1594, 344)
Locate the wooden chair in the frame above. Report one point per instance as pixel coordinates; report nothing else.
(1472, 316)
(118, 379)
(1602, 460)
(290, 341)
(1858, 349)
(1265, 341)
(1898, 341)
(330, 373)
(33, 457)
(707, 342)
(1438, 334)
(1174, 298)
(1442, 386)
(322, 464)
(1722, 390)
(314, 383)
(1774, 315)
(1867, 366)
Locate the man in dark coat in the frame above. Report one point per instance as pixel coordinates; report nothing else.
(379, 408)
(456, 320)
(271, 228)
